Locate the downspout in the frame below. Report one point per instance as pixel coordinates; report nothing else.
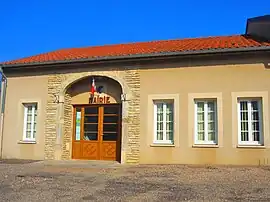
(2, 101)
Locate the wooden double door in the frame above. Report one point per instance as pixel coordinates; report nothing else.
(97, 132)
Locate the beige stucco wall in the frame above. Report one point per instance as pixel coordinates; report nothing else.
(180, 82)
(223, 82)
(24, 90)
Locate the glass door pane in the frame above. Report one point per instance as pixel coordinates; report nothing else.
(91, 123)
(110, 123)
(78, 124)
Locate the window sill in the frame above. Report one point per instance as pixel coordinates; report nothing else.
(27, 142)
(205, 146)
(162, 145)
(251, 146)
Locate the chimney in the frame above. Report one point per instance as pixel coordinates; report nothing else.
(259, 27)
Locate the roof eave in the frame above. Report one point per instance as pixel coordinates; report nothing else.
(137, 56)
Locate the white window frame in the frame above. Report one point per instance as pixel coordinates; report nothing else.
(164, 141)
(240, 142)
(206, 141)
(26, 105)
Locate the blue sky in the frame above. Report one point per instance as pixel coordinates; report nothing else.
(37, 26)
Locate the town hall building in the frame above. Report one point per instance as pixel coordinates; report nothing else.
(182, 101)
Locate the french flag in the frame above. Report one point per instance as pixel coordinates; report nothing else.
(93, 87)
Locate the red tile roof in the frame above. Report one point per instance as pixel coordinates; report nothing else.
(142, 48)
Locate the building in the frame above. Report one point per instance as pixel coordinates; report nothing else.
(189, 101)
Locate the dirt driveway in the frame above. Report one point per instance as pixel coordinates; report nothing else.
(39, 181)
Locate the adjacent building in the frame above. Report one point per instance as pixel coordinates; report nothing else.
(187, 101)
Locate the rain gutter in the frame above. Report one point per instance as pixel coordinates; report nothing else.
(2, 107)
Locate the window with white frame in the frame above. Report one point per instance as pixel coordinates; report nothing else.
(249, 122)
(205, 122)
(30, 121)
(163, 121)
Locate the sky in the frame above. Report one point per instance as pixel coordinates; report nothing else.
(30, 27)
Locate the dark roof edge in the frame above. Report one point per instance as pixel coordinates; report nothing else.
(137, 56)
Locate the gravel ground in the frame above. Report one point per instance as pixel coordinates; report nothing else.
(38, 181)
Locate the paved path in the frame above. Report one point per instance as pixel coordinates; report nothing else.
(103, 181)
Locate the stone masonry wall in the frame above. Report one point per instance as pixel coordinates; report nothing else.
(58, 85)
(67, 127)
(132, 79)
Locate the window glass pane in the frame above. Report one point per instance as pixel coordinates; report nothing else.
(28, 126)
(169, 108)
(244, 116)
(255, 126)
(200, 121)
(244, 126)
(29, 109)
(201, 136)
(110, 119)
(29, 117)
(91, 110)
(35, 126)
(90, 119)
(243, 106)
(244, 136)
(111, 110)
(90, 127)
(159, 121)
(109, 136)
(160, 126)
(110, 127)
(90, 135)
(169, 126)
(256, 136)
(34, 134)
(169, 117)
(160, 117)
(159, 135)
(159, 108)
(211, 136)
(211, 106)
(255, 116)
(254, 105)
(211, 116)
(200, 106)
(200, 116)
(78, 124)
(200, 127)
(28, 134)
(169, 135)
(211, 126)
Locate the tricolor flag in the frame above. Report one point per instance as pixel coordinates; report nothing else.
(93, 87)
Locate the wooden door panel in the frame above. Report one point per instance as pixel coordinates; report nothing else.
(100, 135)
(90, 150)
(110, 132)
(109, 150)
(76, 150)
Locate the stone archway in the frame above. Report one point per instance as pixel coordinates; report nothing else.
(57, 144)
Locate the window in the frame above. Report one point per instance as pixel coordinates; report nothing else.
(249, 122)
(30, 118)
(163, 122)
(205, 122)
